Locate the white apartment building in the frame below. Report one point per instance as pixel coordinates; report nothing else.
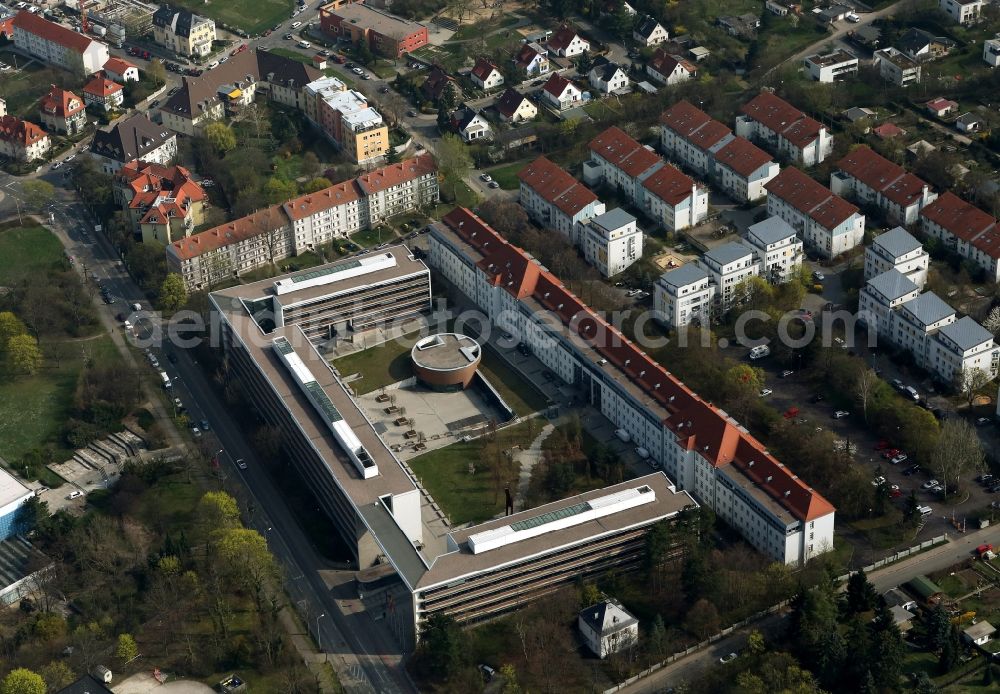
(991, 52)
(301, 224)
(136, 137)
(674, 199)
(958, 348)
(554, 199)
(683, 296)
(742, 170)
(870, 178)
(728, 265)
(699, 446)
(784, 129)
(832, 67)
(827, 222)
(777, 249)
(621, 162)
(896, 67)
(610, 242)
(882, 295)
(56, 45)
(964, 12)
(896, 249)
(972, 233)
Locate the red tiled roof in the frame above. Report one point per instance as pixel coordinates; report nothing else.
(395, 174)
(888, 130)
(664, 63)
(484, 69)
(556, 186)
(265, 220)
(958, 217)
(698, 425)
(694, 125)
(24, 133)
(57, 102)
(101, 87)
(118, 65)
(776, 114)
(525, 55)
(621, 151)
(556, 85)
(563, 36)
(669, 184)
(50, 31)
(311, 203)
(810, 198)
(742, 156)
(882, 175)
(940, 104)
(509, 102)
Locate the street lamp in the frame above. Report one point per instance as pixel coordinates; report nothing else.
(319, 634)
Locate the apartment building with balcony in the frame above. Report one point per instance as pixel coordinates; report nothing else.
(610, 242)
(57, 45)
(896, 67)
(964, 12)
(684, 296)
(991, 52)
(972, 233)
(784, 130)
(554, 199)
(135, 137)
(163, 203)
(777, 249)
(832, 67)
(346, 119)
(728, 265)
(828, 223)
(871, 179)
(897, 249)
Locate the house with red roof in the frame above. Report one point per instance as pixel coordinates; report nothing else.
(941, 107)
(163, 203)
(560, 93)
(784, 129)
(22, 140)
(554, 199)
(532, 59)
(566, 42)
(674, 199)
(828, 224)
(743, 170)
(56, 45)
(669, 69)
(121, 70)
(62, 111)
(699, 447)
(102, 93)
(515, 107)
(486, 75)
(972, 233)
(870, 178)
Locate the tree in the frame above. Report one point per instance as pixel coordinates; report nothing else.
(992, 320)
(173, 293)
(127, 650)
(22, 681)
(37, 194)
(743, 384)
(454, 161)
(510, 685)
(217, 511)
(315, 185)
(442, 642)
(10, 325)
(752, 293)
(310, 164)
(959, 452)
(57, 675)
(865, 387)
(23, 354)
(156, 72)
(364, 53)
(657, 641)
(221, 137)
(951, 650)
(278, 190)
(861, 594)
(702, 619)
(936, 628)
(247, 560)
(972, 381)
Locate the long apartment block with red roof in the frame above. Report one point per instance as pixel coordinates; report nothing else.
(697, 141)
(56, 45)
(784, 129)
(699, 446)
(303, 223)
(974, 234)
(827, 223)
(871, 179)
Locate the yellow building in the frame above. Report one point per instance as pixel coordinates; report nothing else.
(345, 117)
(183, 32)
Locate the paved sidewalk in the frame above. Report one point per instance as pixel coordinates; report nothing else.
(529, 458)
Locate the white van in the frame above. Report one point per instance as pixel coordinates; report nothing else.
(759, 351)
(912, 392)
(642, 452)
(925, 510)
(166, 379)
(305, 44)
(623, 435)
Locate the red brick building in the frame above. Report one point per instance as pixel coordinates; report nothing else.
(386, 34)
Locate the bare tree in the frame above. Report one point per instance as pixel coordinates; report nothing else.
(972, 381)
(864, 388)
(959, 452)
(992, 320)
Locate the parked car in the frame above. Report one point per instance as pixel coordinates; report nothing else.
(75, 494)
(786, 373)
(912, 470)
(494, 184)
(728, 658)
(878, 480)
(241, 464)
(204, 425)
(930, 485)
(981, 422)
(901, 458)
(765, 392)
(196, 432)
(840, 414)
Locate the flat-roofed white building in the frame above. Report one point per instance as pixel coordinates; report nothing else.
(777, 249)
(684, 296)
(882, 294)
(832, 67)
(728, 265)
(897, 249)
(991, 52)
(897, 67)
(965, 12)
(12, 495)
(958, 348)
(610, 242)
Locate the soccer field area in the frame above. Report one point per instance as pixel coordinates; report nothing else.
(252, 16)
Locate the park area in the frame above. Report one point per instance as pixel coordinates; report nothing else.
(252, 16)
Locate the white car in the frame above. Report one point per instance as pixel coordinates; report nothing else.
(486, 177)
(930, 485)
(75, 494)
(296, 25)
(196, 432)
(241, 464)
(127, 325)
(357, 71)
(878, 480)
(765, 392)
(728, 658)
(840, 414)
(902, 457)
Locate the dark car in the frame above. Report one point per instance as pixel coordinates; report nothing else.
(350, 66)
(912, 470)
(818, 397)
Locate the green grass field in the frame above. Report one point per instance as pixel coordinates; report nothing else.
(465, 497)
(23, 89)
(252, 16)
(520, 394)
(506, 175)
(26, 251)
(379, 366)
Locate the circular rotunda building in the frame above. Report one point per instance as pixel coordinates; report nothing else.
(446, 361)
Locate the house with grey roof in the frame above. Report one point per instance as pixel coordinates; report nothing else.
(136, 137)
(610, 242)
(728, 265)
(960, 347)
(897, 249)
(607, 628)
(883, 294)
(979, 633)
(777, 248)
(683, 296)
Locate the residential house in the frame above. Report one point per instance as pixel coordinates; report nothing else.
(744, 26)
(515, 107)
(649, 32)
(827, 222)
(555, 199)
(979, 633)
(560, 93)
(533, 59)
(870, 178)
(22, 140)
(832, 67)
(897, 249)
(965, 12)
(183, 32)
(102, 93)
(471, 125)
(121, 70)
(742, 170)
(670, 69)
(608, 78)
(486, 75)
(968, 123)
(941, 107)
(7, 15)
(56, 45)
(991, 52)
(777, 249)
(437, 82)
(856, 113)
(684, 296)
(970, 232)
(779, 126)
(896, 67)
(163, 203)
(922, 46)
(135, 137)
(386, 34)
(346, 119)
(62, 111)
(610, 242)
(867, 36)
(566, 42)
(832, 13)
(674, 199)
(881, 295)
(608, 628)
(728, 265)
